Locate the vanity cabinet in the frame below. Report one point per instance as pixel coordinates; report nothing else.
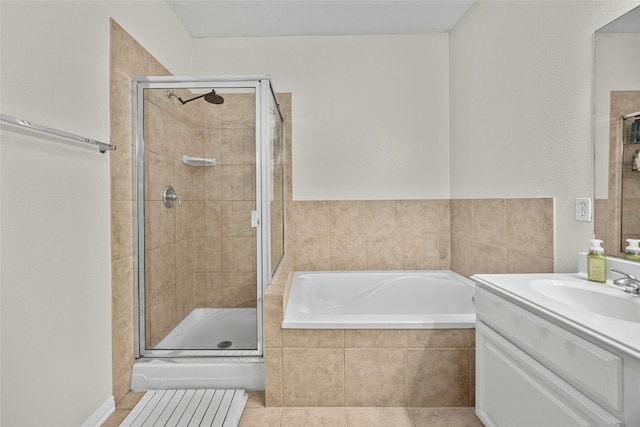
(533, 370)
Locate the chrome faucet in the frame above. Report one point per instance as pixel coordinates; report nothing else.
(628, 283)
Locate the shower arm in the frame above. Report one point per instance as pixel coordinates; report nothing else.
(211, 97)
(170, 94)
(192, 99)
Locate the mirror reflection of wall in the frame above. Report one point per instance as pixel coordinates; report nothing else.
(617, 95)
(626, 113)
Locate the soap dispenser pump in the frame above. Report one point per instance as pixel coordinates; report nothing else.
(632, 252)
(596, 262)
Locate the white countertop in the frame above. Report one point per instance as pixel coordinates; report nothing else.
(621, 334)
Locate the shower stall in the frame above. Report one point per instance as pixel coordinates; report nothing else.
(208, 227)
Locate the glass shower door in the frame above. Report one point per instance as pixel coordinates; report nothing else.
(199, 237)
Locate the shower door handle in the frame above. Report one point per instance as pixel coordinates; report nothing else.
(255, 221)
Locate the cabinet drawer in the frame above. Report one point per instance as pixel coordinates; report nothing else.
(591, 369)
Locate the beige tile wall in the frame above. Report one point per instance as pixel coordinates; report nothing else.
(469, 236)
(128, 59)
(208, 241)
(225, 261)
(371, 235)
(169, 233)
(202, 254)
(502, 236)
(376, 367)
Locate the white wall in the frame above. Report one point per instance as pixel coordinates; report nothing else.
(56, 335)
(617, 68)
(370, 114)
(521, 106)
(55, 215)
(55, 57)
(520, 102)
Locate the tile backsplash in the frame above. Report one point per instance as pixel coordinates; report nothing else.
(468, 236)
(502, 236)
(371, 235)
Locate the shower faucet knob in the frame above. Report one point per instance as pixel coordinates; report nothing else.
(169, 197)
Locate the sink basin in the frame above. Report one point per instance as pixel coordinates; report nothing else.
(596, 299)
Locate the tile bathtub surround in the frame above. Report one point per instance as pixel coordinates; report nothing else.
(423, 368)
(467, 236)
(275, 298)
(371, 235)
(502, 236)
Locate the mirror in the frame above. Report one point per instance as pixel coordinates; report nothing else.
(617, 122)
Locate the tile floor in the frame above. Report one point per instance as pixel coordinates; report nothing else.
(257, 415)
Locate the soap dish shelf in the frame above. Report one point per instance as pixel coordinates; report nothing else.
(198, 161)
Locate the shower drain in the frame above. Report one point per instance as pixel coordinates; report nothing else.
(224, 344)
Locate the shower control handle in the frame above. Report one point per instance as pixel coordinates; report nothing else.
(169, 197)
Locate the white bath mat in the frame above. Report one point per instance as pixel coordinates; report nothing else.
(173, 408)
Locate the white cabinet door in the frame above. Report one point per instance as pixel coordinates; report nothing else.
(513, 390)
(588, 367)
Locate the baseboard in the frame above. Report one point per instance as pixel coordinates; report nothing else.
(101, 414)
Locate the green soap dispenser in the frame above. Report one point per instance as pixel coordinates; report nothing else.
(632, 252)
(597, 262)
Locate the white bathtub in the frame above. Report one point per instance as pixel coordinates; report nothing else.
(380, 300)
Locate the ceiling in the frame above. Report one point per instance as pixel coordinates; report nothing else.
(627, 23)
(267, 18)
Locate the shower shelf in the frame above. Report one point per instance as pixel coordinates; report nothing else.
(198, 161)
(25, 124)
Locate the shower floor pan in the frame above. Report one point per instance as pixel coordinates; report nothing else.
(203, 330)
(214, 329)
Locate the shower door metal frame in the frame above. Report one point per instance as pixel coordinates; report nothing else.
(262, 89)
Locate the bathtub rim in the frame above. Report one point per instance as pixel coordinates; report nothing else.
(393, 321)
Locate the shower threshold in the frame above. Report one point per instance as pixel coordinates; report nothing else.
(206, 350)
(245, 373)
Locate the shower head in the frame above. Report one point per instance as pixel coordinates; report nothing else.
(211, 97)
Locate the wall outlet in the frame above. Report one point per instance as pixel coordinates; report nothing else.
(583, 209)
